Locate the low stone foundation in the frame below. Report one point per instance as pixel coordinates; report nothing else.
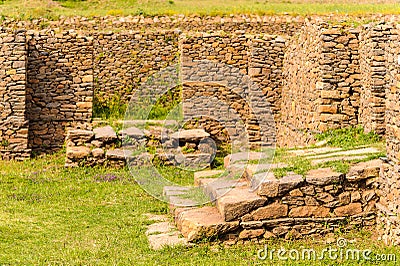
(290, 207)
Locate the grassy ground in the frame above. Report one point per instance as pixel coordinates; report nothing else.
(53, 9)
(50, 215)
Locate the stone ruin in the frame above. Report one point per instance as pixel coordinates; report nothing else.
(311, 75)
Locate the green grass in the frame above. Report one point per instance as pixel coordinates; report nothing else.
(55, 216)
(349, 137)
(51, 9)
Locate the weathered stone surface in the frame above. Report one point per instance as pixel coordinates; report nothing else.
(105, 134)
(272, 187)
(117, 154)
(80, 136)
(309, 211)
(132, 132)
(206, 174)
(98, 153)
(243, 156)
(205, 222)
(323, 177)
(364, 170)
(271, 211)
(79, 152)
(217, 187)
(238, 202)
(251, 233)
(252, 169)
(190, 135)
(348, 210)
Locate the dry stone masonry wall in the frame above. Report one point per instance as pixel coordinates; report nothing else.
(322, 83)
(373, 41)
(389, 203)
(59, 87)
(13, 122)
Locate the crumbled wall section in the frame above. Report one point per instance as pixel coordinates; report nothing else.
(124, 60)
(321, 83)
(13, 122)
(60, 86)
(373, 41)
(389, 204)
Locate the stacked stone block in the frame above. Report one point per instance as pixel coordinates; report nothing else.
(123, 61)
(291, 207)
(373, 41)
(246, 72)
(59, 85)
(13, 122)
(389, 189)
(321, 83)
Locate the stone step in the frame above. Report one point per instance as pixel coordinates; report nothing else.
(269, 186)
(177, 197)
(206, 174)
(324, 177)
(217, 187)
(364, 170)
(253, 169)
(199, 223)
(237, 202)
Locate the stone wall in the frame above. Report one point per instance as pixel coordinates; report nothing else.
(281, 24)
(373, 73)
(389, 204)
(60, 85)
(13, 122)
(124, 60)
(246, 72)
(321, 83)
(293, 206)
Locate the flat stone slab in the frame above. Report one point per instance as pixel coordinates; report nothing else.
(220, 186)
(176, 201)
(78, 152)
(80, 135)
(364, 170)
(200, 223)
(159, 228)
(252, 169)
(243, 156)
(238, 202)
(132, 132)
(310, 152)
(323, 177)
(206, 174)
(105, 134)
(172, 239)
(369, 150)
(174, 190)
(117, 154)
(190, 135)
(163, 233)
(339, 158)
(272, 187)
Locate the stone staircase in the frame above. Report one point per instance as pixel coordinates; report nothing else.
(249, 202)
